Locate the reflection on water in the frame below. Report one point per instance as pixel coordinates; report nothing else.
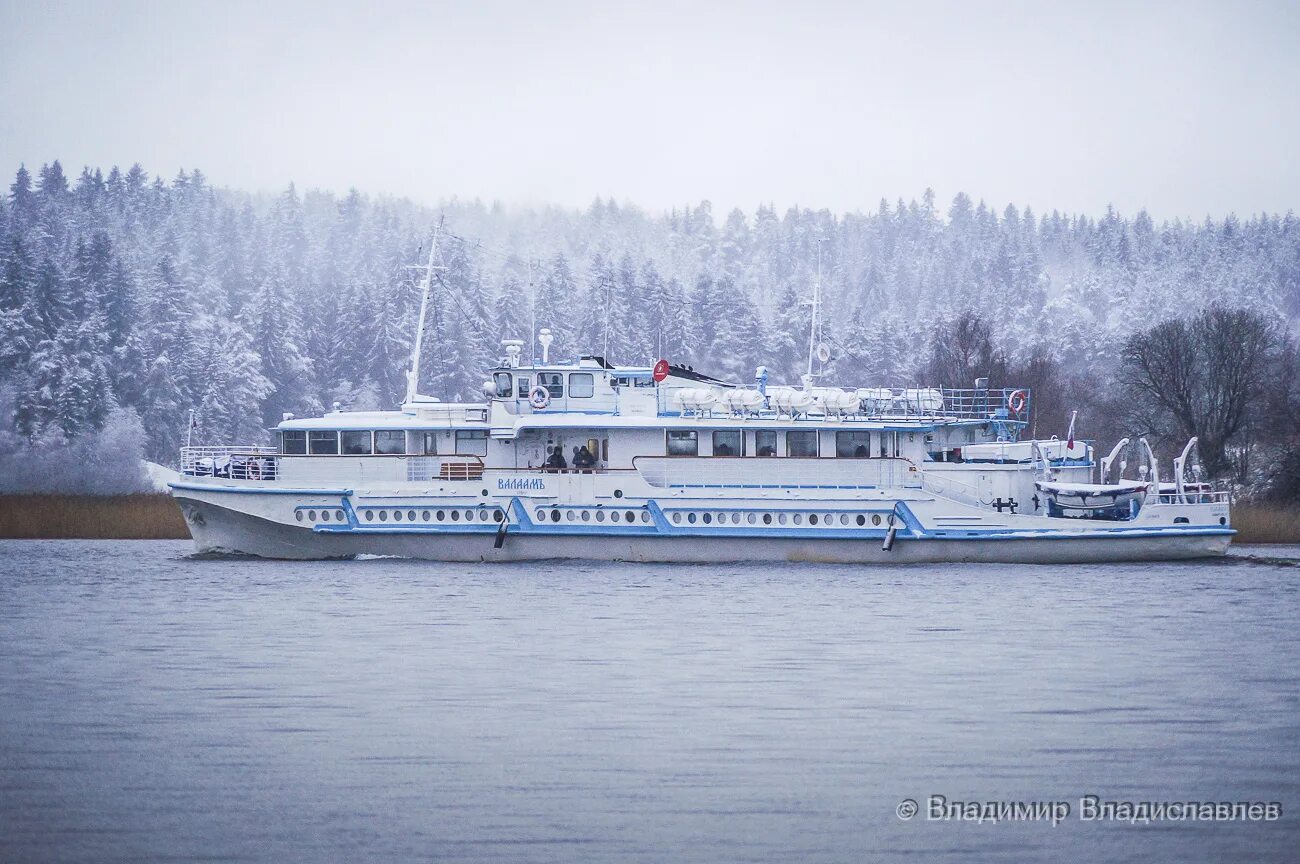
(157, 706)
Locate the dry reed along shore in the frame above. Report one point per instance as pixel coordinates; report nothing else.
(156, 517)
(91, 517)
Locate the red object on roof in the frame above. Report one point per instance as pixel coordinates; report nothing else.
(661, 370)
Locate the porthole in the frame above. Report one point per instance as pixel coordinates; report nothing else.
(397, 515)
(613, 515)
(812, 518)
(618, 493)
(600, 515)
(541, 516)
(735, 518)
(455, 515)
(862, 520)
(298, 515)
(690, 517)
(555, 515)
(830, 519)
(469, 515)
(798, 519)
(485, 493)
(482, 515)
(708, 517)
(440, 515)
(677, 518)
(311, 515)
(645, 517)
(1223, 520)
(767, 518)
(629, 516)
(383, 515)
(586, 515)
(780, 518)
(875, 518)
(568, 514)
(498, 516)
(425, 515)
(370, 515)
(410, 515)
(751, 518)
(844, 518)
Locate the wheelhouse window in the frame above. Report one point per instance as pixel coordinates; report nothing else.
(801, 444)
(582, 385)
(323, 443)
(852, 445)
(471, 442)
(390, 442)
(728, 443)
(504, 384)
(682, 443)
(765, 443)
(553, 382)
(356, 443)
(294, 443)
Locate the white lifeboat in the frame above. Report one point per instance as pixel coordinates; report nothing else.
(923, 401)
(739, 400)
(874, 400)
(788, 400)
(835, 401)
(696, 399)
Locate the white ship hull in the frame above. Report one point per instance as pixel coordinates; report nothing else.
(265, 526)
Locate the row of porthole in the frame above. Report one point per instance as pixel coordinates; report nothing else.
(828, 520)
(325, 515)
(570, 515)
(482, 514)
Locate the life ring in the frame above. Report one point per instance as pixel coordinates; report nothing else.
(1017, 400)
(539, 397)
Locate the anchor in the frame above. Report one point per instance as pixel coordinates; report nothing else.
(1009, 504)
(501, 534)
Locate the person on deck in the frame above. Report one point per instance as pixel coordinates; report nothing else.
(584, 459)
(555, 462)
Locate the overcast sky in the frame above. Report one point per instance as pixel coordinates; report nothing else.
(1186, 109)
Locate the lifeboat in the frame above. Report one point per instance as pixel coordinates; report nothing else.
(739, 400)
(788, 400)
(696, 399)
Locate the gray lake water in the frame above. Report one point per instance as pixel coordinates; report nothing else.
(154, 706)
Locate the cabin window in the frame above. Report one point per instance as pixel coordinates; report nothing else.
(801, 444)
(430, 443)
(765, 443)
(356, 443)
(682, 443)
(293, 443)
(503, 380)
(553, 382)
(728, 443)
(852, 445)
(522, 384)
(471, 442)
(582, 385)
(323, 443)
(390, 442)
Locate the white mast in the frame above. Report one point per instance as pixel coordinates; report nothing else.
(816, 308)
(426, 286)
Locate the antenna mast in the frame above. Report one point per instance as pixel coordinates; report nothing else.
(426, 286)
(816, 308)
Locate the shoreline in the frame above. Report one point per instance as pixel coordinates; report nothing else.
(155, 516)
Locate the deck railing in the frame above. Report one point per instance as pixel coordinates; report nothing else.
(237, 462)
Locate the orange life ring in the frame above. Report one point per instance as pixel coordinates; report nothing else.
(1017, 400)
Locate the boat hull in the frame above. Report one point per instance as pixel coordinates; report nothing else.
(224, 530)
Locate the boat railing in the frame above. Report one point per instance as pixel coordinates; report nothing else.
(421, 469)
(234, 462)
(1190, 496)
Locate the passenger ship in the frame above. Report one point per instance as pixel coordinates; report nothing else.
(591, 460)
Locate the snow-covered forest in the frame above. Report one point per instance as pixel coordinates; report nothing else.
(121, 292)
